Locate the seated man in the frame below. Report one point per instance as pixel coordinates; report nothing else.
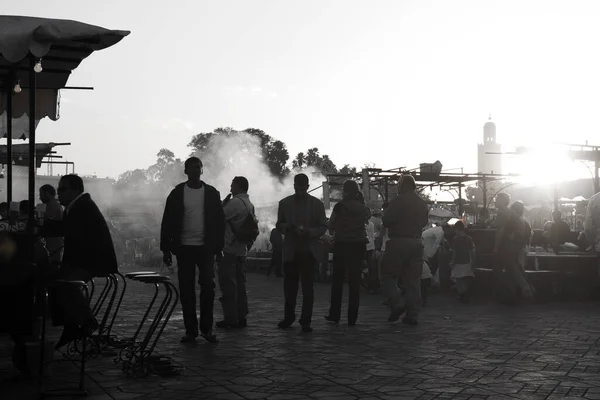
(89, 252)
(559, 232)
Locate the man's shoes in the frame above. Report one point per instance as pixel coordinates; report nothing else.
(188, 339)
(226, 325)
(351, 323)
(307, 329)
(210, 337)
(396, 314)
(410, 321)
(286, 323)
(330, 319)
(243, 323)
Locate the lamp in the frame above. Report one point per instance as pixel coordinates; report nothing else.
(17, 89)
(38, 67)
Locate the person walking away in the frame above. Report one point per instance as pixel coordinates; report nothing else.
(508, 245)
(276, 253)
(241, 230)
(53, 212)
(193, 229)
(405, 219)
(463, 261)
(347, 226)
(301, 219)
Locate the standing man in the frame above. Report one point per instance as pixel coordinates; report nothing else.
(54, 212)
(592, 223)
(193, 228)
(232, 268)
(405, 218)
(505, 254)
(301, 219)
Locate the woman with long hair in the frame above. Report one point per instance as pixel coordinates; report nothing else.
(347, 226)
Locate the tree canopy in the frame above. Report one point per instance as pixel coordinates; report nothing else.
(273, 152)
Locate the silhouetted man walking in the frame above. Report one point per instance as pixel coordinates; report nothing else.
(405, 218)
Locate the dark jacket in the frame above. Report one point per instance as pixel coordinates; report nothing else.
(88, 243)
(276, 239)
(316, 226)
(406, 216)
(172, 221)
(347, 222)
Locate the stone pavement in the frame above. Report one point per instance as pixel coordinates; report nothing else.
(476, 351)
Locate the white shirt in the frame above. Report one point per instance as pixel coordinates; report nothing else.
(236, 211)
(370, 228)
(592, 221)
(193, 216)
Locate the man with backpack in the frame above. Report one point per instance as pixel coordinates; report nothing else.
(241, 230)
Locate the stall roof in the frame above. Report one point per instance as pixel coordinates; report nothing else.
(20, 153)
(60, 44)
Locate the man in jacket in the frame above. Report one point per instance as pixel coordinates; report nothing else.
(301, 219)
(193, 229)
(232, 268)
(405, 218)
(88, 252)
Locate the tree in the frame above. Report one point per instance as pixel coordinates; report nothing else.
(167, 170)
(274, 152)
(347, 169)
(132, 179)
(312, 158)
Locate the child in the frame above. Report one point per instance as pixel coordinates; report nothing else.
(463, 261)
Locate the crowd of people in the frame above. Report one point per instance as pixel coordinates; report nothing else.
(199, 229)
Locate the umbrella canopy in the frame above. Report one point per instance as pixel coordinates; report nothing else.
(60, 44)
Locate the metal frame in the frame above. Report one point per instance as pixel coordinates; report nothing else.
(424, 180)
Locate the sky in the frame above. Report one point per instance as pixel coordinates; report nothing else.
(389, 82)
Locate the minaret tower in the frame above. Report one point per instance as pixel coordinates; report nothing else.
(489, 163)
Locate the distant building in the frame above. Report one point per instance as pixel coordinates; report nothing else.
(489, 163)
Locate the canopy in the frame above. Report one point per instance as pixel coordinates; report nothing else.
(60, 44)
(20, 126)
(20, 153)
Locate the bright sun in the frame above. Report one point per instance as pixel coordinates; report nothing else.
(549, 165)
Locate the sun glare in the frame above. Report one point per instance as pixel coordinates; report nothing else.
(549, 165)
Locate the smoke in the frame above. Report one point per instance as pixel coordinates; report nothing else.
(240, 154)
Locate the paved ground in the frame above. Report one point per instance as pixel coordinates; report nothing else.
(477, 351)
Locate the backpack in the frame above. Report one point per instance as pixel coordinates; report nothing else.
(248, 231)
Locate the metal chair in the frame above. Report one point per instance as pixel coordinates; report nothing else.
(137, 356)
